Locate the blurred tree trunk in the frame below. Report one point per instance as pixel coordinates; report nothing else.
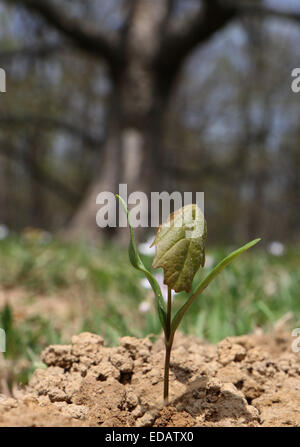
(34, 142)
(133, 149)
(128, 158)
(143, 59)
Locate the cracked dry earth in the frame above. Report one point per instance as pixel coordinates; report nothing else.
(251, 380)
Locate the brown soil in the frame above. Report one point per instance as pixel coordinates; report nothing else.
(243, 381)
(64, 310)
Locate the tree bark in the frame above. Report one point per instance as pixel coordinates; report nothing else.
(133, 146)
(131, 155)
(143, 60)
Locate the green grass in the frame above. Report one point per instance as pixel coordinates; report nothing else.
(255, 291)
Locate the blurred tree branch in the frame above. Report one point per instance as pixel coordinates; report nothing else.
(144, 57)
(47, 180)
(260, 10)
(50, 123)
(34, 51)
(83, 34)
(213, 16)
(177, 44)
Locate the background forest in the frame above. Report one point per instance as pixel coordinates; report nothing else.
(175, 95)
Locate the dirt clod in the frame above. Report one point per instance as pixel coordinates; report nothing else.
(243, 381)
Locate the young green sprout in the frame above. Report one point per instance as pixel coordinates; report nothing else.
(180, 251)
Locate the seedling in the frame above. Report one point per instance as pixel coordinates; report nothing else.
(180, 251)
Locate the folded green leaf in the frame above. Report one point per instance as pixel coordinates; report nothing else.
(180, 247)
(199, 289)
(138, 264)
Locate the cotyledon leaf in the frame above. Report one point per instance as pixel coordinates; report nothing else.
(203, 284)
(180, 247)
(138, 264)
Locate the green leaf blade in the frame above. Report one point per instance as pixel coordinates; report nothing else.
(138, 264)
(180, 247)
(209, 278)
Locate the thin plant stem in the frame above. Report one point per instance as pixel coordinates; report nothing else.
(168, 345)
